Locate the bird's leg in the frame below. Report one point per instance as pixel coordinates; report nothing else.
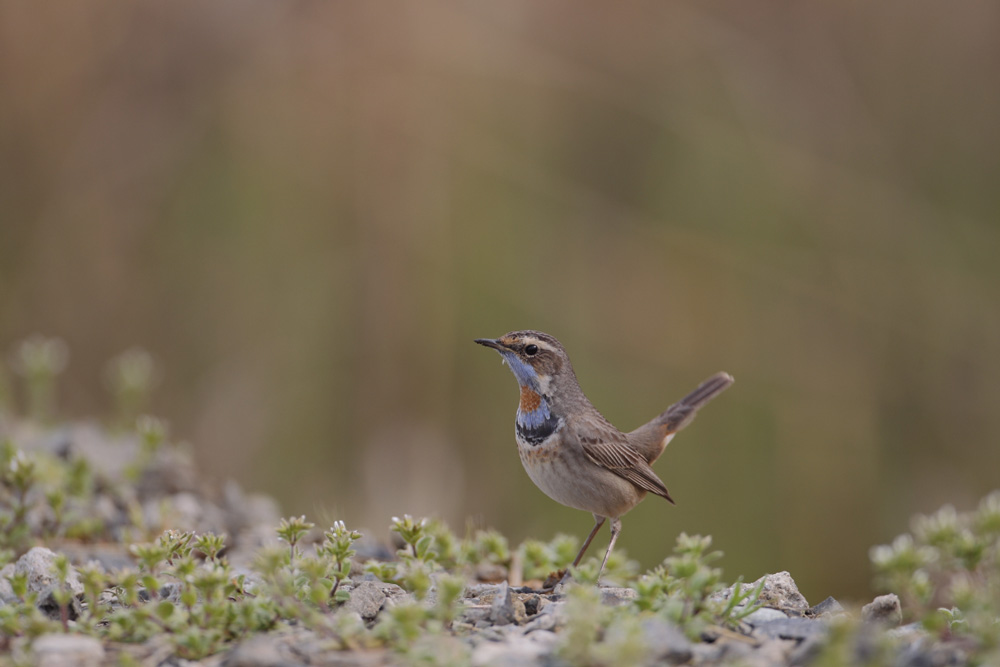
(616, 527)
(598, 522)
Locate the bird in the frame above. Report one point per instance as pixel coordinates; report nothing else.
(575, 455)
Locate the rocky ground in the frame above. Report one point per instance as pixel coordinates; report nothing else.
(495, 623)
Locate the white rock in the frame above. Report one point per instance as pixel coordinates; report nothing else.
(38, 564)
(763, 615)
(58, 650)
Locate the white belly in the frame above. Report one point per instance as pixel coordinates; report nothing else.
(575, 481)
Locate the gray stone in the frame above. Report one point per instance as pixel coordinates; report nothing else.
(735, 652)
(937, 655)
(533, 604)
(772, 652)
(261, 651)
(781, 592)
(885, 610)
(366, 600)
(666, 642)
(393, 594)
(184, 511)
(473, 614)
(827, 606)
(58, 650)
(764, 615)
(108, 557)
(790, 628)
(615, 597)
(541, 622)
(807, 651)
(480, 591)
(39, 565)
(6, 591)
(515, 650)
(506, 608)
(171, 471)
(703, 653)
(909, 633)
(170, 591)
(491, 572)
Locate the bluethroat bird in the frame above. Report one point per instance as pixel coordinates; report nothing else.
(570, 451)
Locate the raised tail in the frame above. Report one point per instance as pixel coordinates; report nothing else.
(651, 438)
(680, 414)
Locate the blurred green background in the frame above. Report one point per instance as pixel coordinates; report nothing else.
(307, 211)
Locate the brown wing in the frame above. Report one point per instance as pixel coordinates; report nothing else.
(611, 451)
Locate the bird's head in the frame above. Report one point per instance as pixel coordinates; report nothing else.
(534, 357)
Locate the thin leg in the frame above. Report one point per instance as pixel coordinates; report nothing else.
(616, 527)
(598, 522)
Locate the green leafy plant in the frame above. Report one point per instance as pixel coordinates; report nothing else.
(681, 589)
(543, 558)
(947, 572)
(292, 530)
(40, 360)
(18, 475)
(130, 376)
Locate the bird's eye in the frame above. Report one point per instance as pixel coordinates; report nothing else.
(531, 350)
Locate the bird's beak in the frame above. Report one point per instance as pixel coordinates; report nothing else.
(489, 342)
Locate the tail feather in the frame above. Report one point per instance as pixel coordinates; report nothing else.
(651, 438)
(680, 414)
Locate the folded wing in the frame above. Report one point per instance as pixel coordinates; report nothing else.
(618, 456)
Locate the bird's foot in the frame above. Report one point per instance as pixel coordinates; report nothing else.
(555, 580)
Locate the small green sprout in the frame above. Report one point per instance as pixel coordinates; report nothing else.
(21, 475)
(338, 548)
(153, 433)
(39, 360)
(415, 576)
(948, 572)
(210, 545)
(19, 585)
(681, 587)
(151, 556)
(94, 581)
(176, 544)
(386, 571)
(130, 376)
(541, 559)
(743, 602)
(449, 590)
(586, 573)
(585, 617)
(18, 476)
(987, 516)
(402, 624)
(312, 583)
(486, 546)
(292, 530)
(445, 546)
(415, 536)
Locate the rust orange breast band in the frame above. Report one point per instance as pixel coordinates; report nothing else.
(530, 400)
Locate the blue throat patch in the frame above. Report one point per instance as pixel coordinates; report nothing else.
(525, 374)
(535, 426)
